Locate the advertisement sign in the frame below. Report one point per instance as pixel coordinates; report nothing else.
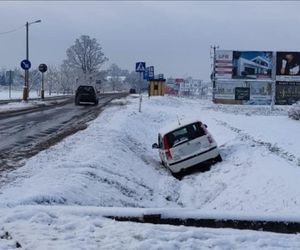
(260, 92)
(242, 93)
(223, 64)
(287, 92)
(226, 89)
(288, 66)
(252, 65)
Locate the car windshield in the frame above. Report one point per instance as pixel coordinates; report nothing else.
(184, 134)
(86, 89)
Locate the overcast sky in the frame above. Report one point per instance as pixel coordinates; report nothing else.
(174, 37)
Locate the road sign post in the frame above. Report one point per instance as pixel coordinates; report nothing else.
(141, 68)
(26, 65)
(43, 68)
(10, 77)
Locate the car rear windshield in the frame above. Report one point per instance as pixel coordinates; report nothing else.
(184, 134)
(86, 89)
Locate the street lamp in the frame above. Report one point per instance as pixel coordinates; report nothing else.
(26, 85)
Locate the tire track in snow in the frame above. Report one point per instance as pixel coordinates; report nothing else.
(273, 148)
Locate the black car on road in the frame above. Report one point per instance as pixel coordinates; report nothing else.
(86, 94)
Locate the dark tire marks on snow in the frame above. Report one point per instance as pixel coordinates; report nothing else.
(273, 148)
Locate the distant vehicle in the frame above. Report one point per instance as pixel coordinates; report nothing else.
(132, 91)
(86, 94)
(185, 146)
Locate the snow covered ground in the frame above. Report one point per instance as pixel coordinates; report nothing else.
(54, 201)
(22, 105)
(18, 94)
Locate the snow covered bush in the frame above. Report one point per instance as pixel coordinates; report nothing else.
(294, 111)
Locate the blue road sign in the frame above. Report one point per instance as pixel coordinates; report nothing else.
(25, 64)
(146, 74)
(160, 76)
(140, 67)
(151, 73)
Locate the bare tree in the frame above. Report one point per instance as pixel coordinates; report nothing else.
(68, 78)
(114, 74)
(53, 78)
(35, 80)
(18, 78)
(134, 81)
(85, 55)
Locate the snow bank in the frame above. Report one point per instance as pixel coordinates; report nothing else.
(85, 228)
(18, 94)
(294, 111)
(111, 164)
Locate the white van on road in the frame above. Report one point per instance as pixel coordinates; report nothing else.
(185, 145)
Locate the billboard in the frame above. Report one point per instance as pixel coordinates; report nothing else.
(252, 64)
(237, 70)
(223, 64)
(242, 93)
(226, 89)
(288, 66)
(287, 92)
(260, 91)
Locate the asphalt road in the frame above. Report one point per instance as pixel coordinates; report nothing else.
(23, 135)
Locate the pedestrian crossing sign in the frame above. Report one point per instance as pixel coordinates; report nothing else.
(140, 67)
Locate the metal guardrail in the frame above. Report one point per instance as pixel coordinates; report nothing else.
(280, 226)
(41, 106)
(48, 98)
(55, 102)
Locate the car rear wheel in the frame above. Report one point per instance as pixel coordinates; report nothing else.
(178, 176)
(218, 158)
(77, 102)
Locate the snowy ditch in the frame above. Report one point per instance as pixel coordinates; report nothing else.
(57, 200)
(112, 164)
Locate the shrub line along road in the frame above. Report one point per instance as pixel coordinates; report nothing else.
(50, 103)
(24, 133)
(54, 98)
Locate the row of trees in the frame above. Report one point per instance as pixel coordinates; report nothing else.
(83, 65)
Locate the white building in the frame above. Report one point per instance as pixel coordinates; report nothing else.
(253, 67)
(191, 87)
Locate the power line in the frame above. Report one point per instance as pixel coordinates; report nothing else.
(10, 31)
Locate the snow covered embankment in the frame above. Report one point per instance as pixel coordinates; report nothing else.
(111, 163)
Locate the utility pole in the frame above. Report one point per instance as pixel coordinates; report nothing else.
(273, 84)
(10, 83)
(26, 85)
(140, 97)
(214, 71)
(25, 90)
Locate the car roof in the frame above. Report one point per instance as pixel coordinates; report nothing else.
(85, 86)
(175, 125)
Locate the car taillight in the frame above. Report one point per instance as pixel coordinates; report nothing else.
(210, 140)
(167, 148)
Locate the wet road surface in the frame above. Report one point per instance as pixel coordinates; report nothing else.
(24, 135)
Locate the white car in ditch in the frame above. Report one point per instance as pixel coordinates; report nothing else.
(186, 145)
